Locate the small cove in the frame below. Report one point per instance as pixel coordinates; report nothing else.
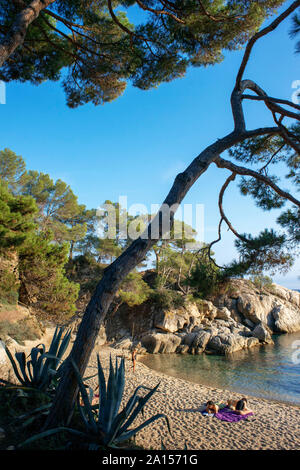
(270, 372)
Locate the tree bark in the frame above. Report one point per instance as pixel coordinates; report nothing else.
(62, 409)
(17, 33)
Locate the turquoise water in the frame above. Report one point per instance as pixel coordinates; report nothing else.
(271, 371)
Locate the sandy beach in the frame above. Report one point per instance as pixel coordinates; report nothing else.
(273, 425)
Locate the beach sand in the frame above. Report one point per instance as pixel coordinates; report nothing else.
(273, 425)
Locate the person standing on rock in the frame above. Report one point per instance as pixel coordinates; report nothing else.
(133, 358)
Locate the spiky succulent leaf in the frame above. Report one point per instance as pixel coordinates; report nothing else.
(87, 406)
(138, 409)
(102, 391)
(127, 435)
(50, 432)
(42, 367)
(14, 365)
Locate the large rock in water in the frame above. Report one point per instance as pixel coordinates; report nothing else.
(263, 333)
(276, 307)
(160, 342)
(172, 320)
(242, 317)
(285, 319)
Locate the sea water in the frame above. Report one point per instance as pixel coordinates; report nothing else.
(270, 371)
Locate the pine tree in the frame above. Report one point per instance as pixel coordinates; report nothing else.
(101, 50)
(16, 226)
(12, 169)
(44, 285)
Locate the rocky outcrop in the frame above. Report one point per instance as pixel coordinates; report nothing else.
(241, 318)
(175, 320)
(276, 307)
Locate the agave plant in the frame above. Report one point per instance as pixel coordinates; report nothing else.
(105, 424)
(43, 368)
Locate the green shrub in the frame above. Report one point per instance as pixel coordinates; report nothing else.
(44, 284)
(205, 280)
(133, 290)
(20, 331)
(9, 287)
(261, 282)
(167, 298)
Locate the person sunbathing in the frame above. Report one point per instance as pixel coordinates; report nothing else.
(211, 407)
(239, 406)
(231, 404)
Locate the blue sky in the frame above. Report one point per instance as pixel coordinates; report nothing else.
(137, 144)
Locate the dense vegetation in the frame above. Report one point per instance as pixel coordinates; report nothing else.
(59, 255)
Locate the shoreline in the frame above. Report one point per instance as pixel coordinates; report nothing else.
(226, 390)
(274, 425)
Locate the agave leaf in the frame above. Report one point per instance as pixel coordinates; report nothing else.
(35, 353)
(27, 422)
(30, 371)
(40, 346)
(127, 435)
(89, 377)
(14, 365)
(117, 423)
(102, 391)
(40, 364)
(110, 398)
(132, 400)
(49, 369)
(86, 402)
(140, 406)
(120, 383)
(49, 433)
(93, 446)
(53, 348)
(64, 344)
(55, 341)
(82, 414)
(21, 358)
(123, 415)
(30, 413)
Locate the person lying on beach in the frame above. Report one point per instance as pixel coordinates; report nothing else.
(211, 407)
(232, 404)
(239, 406)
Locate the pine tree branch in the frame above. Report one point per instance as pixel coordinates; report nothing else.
(220, 203)
(240, 170)
(274, 100)
(259, 35)
(18, 30)
(159, 12)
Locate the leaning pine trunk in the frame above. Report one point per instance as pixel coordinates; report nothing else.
(62, 409)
